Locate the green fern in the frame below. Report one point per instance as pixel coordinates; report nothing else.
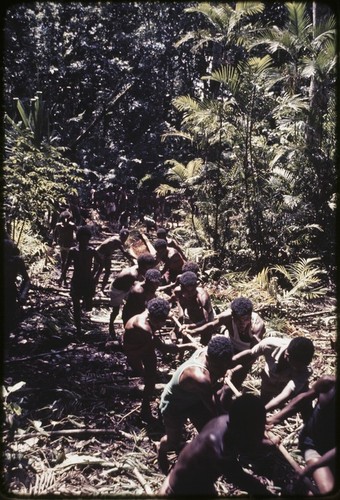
(304, 279)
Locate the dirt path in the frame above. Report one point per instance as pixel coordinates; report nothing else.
(73, 425)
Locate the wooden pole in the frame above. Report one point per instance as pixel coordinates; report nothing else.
(192, 340)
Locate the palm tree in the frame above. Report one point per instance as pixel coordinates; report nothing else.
(307, 48)
(184, 180)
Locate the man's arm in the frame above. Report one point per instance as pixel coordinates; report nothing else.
(322, 385)
(245, 481)
(323, 461)
(208, 329)
(258, 328)
(281, 398)
(205, 301)
(127, 254)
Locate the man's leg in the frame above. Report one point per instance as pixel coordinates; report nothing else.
(323, 476)
(173, 439)
(77, 313)
(113, 316)
(107, 268)
(150, 374)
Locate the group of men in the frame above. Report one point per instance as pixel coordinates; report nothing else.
(215, 353)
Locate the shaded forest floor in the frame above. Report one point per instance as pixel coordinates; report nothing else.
(73, 427)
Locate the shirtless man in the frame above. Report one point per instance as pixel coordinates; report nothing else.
(140, 294)
(187, 266)
(162, 234)
(123, 282)
(105, 251)
(193, 301)
(83, 283)
(286, 370)
(172, 260)
(193, 392)
(140, 342)
(64, 234)
(241, 324)
(317, 438)
(215, 452)
(244, 327)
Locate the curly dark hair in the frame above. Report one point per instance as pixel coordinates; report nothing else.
(161, 233)
(84, 233)
(160, 244)
(153, 275)
(188, 279)
(241, 306)
(220, 348)
(146, 260)
(158, 308)
(301, 349)
(190, 266)
(123, 233)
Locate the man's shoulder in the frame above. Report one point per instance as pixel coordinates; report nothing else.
(138, 323)
(271, 343)
(256, 317)
(225, 316)
(195, 376)
(202, 292)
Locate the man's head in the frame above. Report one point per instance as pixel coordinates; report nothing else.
(65, 216)
(158, 312)
(123, 235)
(160, 246)
(247, 418)
(300, 352)
(153, 278)
(188, 282)
(241, 309)
(161, 233)
(145, 261)
(219, 354)
(190, 266)
(84, 234)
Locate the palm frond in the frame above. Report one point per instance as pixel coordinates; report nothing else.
(178, 133)
(177, 172)
(164, 189)
(227, 75)
(215, 14)
(194, 168)
(299, 18)
(289, 104)
(260, 64)
(303, 276)
(191, 35)
(186, 103)
(23, 113)
(249, 8)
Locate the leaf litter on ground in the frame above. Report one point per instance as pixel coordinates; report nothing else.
(78, 431)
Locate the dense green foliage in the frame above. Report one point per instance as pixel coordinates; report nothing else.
(230, 105)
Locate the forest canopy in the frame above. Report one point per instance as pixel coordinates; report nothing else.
(230, 107)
